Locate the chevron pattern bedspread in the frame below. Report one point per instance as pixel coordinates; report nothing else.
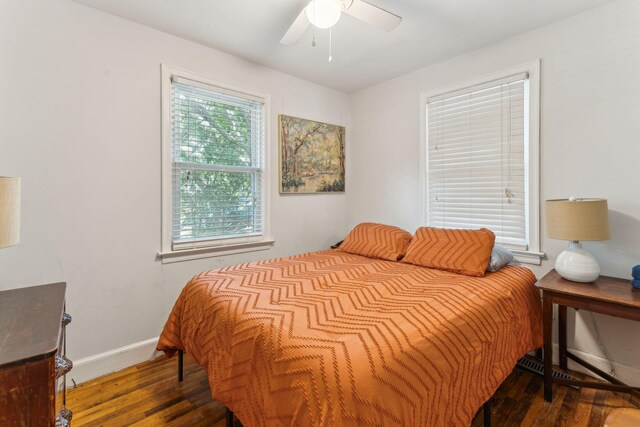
(334, 339)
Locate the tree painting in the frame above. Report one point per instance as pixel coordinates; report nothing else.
(311, 156)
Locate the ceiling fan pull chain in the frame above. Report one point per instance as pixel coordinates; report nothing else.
(313, 42)
(330, 57)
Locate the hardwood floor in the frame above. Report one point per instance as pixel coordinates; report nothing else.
(149, 394)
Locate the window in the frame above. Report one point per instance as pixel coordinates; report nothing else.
(482, 159)
(213, 166)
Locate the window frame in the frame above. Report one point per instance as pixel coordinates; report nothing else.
(217, 246)
(532, 255)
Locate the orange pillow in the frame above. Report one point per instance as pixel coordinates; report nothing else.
(459, 251)
(377, 241)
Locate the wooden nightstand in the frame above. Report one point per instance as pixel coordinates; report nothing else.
(606, 295)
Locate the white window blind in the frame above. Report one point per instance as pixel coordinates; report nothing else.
(217, 164)
(477, 160)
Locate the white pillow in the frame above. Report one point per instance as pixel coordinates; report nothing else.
(499, 258)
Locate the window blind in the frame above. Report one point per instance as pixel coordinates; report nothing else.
(217, 164)
(477, 161)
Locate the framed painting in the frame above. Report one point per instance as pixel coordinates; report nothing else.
(311, 156)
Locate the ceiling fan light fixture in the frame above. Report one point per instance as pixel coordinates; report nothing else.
(323, 13)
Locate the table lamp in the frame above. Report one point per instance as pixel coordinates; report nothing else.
(9, 211)
(575, 220)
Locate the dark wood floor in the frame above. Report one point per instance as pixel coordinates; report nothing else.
(149, 394)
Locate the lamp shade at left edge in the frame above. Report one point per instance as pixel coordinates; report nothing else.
(9, 211)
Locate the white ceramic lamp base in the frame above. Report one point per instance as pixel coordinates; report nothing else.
(577, 264)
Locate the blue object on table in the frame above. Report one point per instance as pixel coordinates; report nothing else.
(635, 283)
(635, 272)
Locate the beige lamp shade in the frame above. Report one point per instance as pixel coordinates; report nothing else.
(577, 219)
(9, 211)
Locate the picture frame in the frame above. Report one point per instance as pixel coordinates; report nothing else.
(311, 156)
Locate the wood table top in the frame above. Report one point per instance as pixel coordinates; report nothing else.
(604, 288)
(30, 322)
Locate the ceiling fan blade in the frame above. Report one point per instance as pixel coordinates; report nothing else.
(373, 15)
(296, 30)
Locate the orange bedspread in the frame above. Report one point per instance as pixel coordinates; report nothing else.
(334, 339)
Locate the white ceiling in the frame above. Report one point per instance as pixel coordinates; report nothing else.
(431, 31)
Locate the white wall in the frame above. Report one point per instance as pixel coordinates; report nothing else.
(80, 123)
(590, 142)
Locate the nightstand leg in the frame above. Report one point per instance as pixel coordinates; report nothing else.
(547, 318)
(562, 336)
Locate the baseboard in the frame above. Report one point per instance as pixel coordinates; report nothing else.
(111, 361)
(626, 373)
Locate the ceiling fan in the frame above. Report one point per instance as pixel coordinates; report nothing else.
(326, 13)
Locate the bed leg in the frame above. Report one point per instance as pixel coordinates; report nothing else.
(487, 413)
(228, 418)
(539, 353)
(180, 365)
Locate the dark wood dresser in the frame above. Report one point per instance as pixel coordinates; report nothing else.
(32, 359)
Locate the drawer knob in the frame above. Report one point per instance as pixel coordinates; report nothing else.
(63, 365)
(63, 419)
(66, 319)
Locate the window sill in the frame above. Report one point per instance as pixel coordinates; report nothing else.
(214, 251)
(526, 257)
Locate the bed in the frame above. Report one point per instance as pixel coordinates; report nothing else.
(331, 338)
